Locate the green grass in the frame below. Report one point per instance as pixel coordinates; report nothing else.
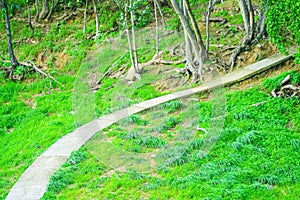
(273, 83)
(31, 120)
(35, 114)
(256, 156)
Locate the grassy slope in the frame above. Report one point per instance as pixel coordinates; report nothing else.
(33, 114)
(256, 157)
(31, 119)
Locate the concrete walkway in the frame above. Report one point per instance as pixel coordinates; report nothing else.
(33, 182)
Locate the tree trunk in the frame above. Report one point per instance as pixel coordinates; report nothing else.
(251, 19)
(29, 17)
(195, 26)
(161, 14)
(249, 40)
(193, 21)
(96, 17)
(209, 9)
(128, 38)
(36, 11)
(156, 28)
(45, 10)
(196, 47)
(248, 18)
(52, 9)
(261, 24)
(84, 16)
(136, 62)
(189, 66)
(13, 59)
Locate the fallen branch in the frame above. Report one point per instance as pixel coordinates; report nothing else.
(31, 64)
(259, 103)
(169, 62)
(66, 17)
(110, 68)
(223, 46)
(215, 19)
(286, 90)
(157, 60)
(237, 26)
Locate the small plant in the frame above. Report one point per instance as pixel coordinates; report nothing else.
(268, 179)
(130, 136)
(242, 115)
(133, 119)
(295, 143)
(195, 144)
(157, 115)
(174, 156)
(63, 176)
(172, 106)
(247, 138)
(151, 141)
(237, 145)
(166, 125)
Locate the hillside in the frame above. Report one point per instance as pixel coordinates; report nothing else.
(256, 157)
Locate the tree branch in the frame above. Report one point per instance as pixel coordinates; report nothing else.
(31, 64)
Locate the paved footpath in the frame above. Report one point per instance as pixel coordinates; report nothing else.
(33, 182)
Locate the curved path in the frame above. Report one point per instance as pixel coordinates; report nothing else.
(33, 182)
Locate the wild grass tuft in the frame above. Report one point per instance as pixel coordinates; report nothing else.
(166, 125)
(295, 143)
(150, 141)
(133, 119)
(172, 106)
(247, 138)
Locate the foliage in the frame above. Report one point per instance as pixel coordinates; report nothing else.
(172, 106)
(274, 83)
(283, 23)
(151, 141)
(142, 13)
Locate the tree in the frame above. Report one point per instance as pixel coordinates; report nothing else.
(53, 6)
(96, 17)
(208, 12)
(13, 59)
(255, 30)
(196, 54)
(29, 16)
(84, 16)
(36, 19)
(45, 10)
(157, 8)
(127, 9)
